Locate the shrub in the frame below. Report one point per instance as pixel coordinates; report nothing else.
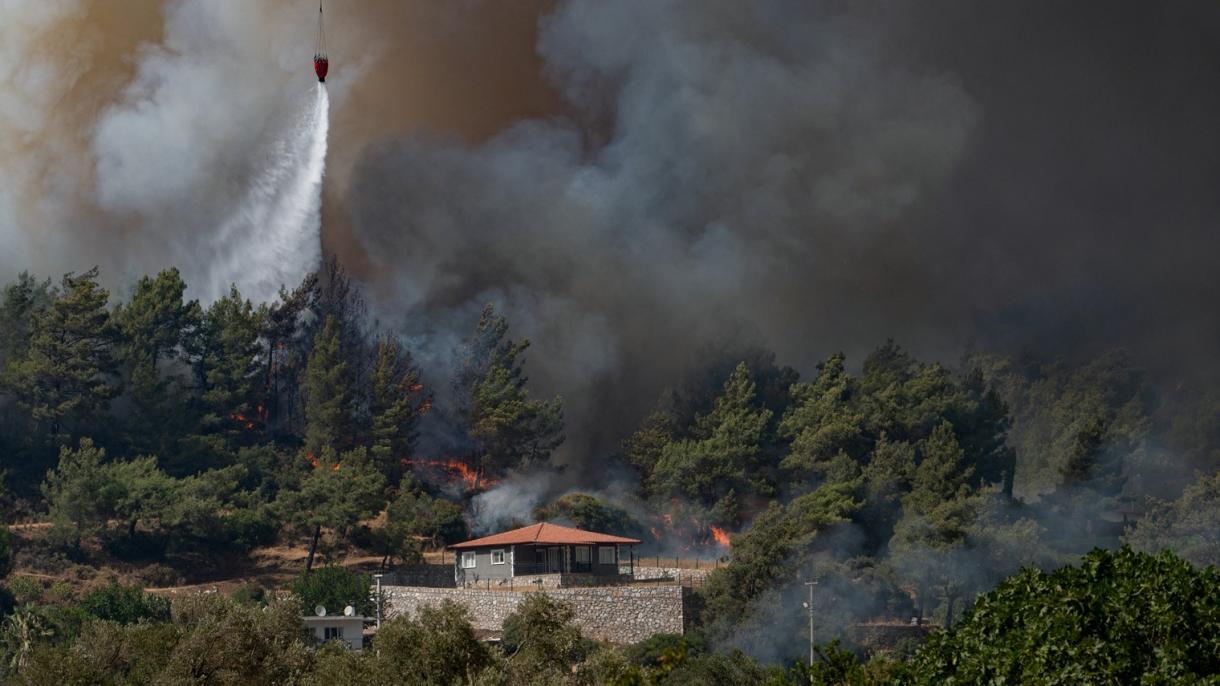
(139, 546)
(125, 604)
(334, 588)
(1118, 617)
(249, 529)
(27, 590)
(250, 594)
(160, 575)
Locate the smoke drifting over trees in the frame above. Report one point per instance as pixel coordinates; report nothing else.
(636, 181)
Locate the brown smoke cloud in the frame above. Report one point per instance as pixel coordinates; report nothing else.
(465, 69)
(68, 66)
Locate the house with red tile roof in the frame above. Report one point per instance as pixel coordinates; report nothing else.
(542, 549)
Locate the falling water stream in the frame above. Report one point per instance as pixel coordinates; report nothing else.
(274, 237)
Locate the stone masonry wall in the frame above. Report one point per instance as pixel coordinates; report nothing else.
(677, 574)
(614, 614)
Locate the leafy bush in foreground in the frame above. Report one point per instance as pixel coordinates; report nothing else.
(1119, 617)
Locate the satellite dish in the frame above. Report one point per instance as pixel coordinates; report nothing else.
(349, 611)
(319, 611)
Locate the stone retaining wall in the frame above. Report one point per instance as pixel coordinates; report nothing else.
(677, 574)
(614, 614)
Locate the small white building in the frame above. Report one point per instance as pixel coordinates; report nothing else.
(348, 628)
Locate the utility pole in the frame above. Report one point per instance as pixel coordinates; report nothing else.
(377, 577)
(809, 606)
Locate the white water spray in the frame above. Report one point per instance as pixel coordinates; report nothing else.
(274, 237)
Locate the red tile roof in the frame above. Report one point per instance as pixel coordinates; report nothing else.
(548, 534)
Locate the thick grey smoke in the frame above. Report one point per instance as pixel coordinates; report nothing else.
(733, 150)
(816, 176)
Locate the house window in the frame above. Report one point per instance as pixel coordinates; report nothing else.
(468, 560)
(331, 633)
(605, 555)
(582, 554)
(497, 557)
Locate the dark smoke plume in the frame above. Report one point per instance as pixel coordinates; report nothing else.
(811, 176)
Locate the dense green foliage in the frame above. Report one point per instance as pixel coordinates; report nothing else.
(507, 428)
(415, 514)
(1120, 618)
(334, 588)
(159, 429)
(124, 604)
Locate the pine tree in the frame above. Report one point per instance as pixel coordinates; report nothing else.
(507, 427)
(24, 300)
(157, 325)
(824, 421)
(228, 370)
(396, 401)
(67, 377)
(723, 455)
(75, 493)
(943, 472)
(328, 397)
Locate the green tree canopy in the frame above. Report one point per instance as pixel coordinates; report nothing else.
(338, 492)
(507, 427)
(68, 374)
(78, 506)
(540, 640)
(435, 647)
(416, 514)
(328, 396)
(156, 325)
(334, 588)
(1118, 617)
(229, 374)
(125, 604)
(724, 455)
(397, 400)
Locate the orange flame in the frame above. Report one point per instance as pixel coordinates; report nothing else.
(246, 422)
(471, 478)
(721, 536)
(315, 462)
